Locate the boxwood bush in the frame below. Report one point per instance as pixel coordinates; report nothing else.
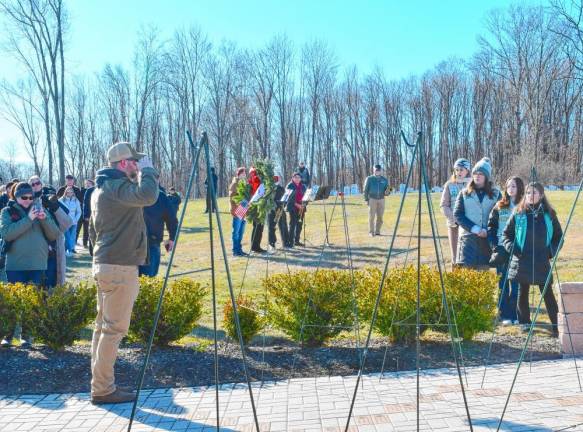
(471, 295)
(181, 309)
(57, 318)
(249, 319)
(10, 307)
(329, 310)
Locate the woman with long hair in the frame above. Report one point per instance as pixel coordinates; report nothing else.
(532, 235)
(70, 201)
(511, 197)
(472, 212)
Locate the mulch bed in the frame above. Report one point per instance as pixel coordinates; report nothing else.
(42, 370)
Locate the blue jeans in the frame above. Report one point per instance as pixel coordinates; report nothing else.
(71, 238)
(151, 269)
(509, 296)
(237, 237)
(34, 277)
(51, 273)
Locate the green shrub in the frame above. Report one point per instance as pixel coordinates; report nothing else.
(57, 318)
(396, 316)
(10, 308)
(181, 309)
(471, 293)
(250, 321)
(330, 308)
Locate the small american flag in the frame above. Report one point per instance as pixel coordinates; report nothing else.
(241, 209)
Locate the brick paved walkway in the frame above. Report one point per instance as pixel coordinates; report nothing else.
(546, 398)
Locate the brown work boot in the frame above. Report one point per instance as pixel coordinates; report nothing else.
(118, 396)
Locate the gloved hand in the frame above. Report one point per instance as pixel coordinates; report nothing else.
(50, 202)
(145, 162)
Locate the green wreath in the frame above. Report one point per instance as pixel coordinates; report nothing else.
(259, 210)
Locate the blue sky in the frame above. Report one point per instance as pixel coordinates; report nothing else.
(401, 37)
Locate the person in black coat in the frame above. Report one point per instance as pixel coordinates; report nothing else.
(295, 209)
(5, 197)
(174, 198)
(156, 216)
(89, 184)
(215, 180)
(87, 212)
(277, 212)
(304, 174)
(532, 236)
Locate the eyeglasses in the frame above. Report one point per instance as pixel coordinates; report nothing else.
(36, 183)
(26, 198)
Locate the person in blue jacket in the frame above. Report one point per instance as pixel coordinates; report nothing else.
(156, 216)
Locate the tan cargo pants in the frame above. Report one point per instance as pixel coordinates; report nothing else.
(117, 289)
(376, 208)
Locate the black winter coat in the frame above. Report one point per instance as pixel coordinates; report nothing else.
(158, 214)
(532, 264)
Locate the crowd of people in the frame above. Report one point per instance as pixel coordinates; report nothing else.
(288, 201)
(515, 230)
(124, 211)
(40, 228)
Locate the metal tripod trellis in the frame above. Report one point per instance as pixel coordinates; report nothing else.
(419, 157)
(203, 146)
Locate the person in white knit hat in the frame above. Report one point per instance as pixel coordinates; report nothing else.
(472, 211)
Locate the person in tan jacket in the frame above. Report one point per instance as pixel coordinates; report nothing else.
(118, 234)
(458, 181)
(238, 223)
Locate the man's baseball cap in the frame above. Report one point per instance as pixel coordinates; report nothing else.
(121, 151)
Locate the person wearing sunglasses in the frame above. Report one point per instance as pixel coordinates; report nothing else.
(27, 232)
(120, 244)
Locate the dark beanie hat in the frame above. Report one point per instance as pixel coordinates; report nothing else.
(22, 189)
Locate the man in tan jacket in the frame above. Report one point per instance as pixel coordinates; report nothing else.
(118, 235)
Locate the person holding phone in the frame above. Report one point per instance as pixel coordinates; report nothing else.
(27, 232)
(120, 245)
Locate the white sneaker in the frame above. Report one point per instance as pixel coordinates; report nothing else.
(506, 322)
(68, 253)
(271, 249)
